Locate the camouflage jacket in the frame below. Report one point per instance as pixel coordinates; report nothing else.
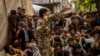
(41, 28)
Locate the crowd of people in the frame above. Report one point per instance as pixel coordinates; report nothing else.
(71, 34)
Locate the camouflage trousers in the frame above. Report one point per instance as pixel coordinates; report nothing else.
(44, 46)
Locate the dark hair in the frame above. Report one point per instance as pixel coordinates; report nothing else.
(23, 9)
(70, 39)
(72, 18)
(58, 44)
(63, 31)
(76, 46)
(19, 24)
(34, 16)
(26, 42)
(57, 39)
(13, 12)
(42, 11)
(19, 8)
(24, 16)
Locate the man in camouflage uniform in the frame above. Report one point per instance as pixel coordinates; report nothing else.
(43, 34)
(43, 37)
(43, 29)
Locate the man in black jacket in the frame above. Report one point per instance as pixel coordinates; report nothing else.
(59, 51)
(25, 35)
